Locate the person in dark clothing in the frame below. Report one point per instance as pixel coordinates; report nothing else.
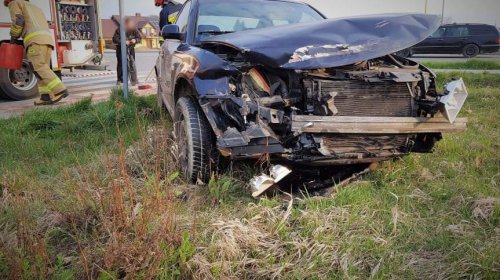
(133, 37)
(168, 13)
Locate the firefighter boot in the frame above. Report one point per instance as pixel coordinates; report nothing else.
(60, 96)
(46, 99)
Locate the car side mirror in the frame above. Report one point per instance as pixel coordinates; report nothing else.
(172, 31)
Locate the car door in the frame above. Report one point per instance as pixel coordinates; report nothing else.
(432, 44)
(169, 55)
(455, 38)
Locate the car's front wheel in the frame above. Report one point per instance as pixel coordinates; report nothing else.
(195, 147)
(470, 50)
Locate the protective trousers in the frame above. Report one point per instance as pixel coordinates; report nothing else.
(48, 82)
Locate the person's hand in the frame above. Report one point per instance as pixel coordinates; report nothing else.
(134, 41)
(128, 43)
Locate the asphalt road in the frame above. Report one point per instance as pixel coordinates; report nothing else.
(146, 60)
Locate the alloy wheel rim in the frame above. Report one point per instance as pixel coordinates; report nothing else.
(470, 51)
(23, 79)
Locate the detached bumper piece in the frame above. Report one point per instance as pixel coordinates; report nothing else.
(375, 125)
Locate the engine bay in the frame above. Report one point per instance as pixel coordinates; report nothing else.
(260, 114)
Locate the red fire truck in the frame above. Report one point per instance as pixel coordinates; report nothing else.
(76, 30)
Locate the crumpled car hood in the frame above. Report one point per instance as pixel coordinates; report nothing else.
(330, 43)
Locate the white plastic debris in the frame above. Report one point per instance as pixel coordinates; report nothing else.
(454, 100)
(260, 184)
(279, 172)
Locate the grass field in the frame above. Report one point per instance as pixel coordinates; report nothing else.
(92, 192)
(472, 64)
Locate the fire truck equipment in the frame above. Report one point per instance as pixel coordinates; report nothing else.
(11, 56)
(76, 22)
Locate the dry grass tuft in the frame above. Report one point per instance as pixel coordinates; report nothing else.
(264, 246)
(117, 216)
(483, 208)
(428, 265)
(152, 152)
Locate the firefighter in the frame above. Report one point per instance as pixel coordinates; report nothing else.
(168, 13)
(29, 22)
(133, 37)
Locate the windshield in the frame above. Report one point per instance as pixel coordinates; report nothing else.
(216, 18)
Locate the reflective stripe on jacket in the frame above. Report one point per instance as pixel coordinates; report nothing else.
(29, 22)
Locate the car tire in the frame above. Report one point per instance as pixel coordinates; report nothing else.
(470, 50)
(196, 151)
(18, 84)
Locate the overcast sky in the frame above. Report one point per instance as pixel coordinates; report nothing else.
(480, 11)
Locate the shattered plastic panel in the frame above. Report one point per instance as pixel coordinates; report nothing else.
(330, 43)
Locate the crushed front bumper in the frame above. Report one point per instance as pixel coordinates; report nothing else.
(375, 125)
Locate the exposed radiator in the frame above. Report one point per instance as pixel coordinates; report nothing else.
(359, 98)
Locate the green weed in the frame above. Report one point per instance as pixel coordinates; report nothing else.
(219, 188)
(472, 64)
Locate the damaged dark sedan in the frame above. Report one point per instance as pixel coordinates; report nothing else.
(276, 79)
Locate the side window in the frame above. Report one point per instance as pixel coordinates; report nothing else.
(183, 18)
(464, 31)
(482, 30)
(439, 33)
(456, 32)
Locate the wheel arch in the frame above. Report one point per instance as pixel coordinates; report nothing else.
(183, 88)
(472, 43)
